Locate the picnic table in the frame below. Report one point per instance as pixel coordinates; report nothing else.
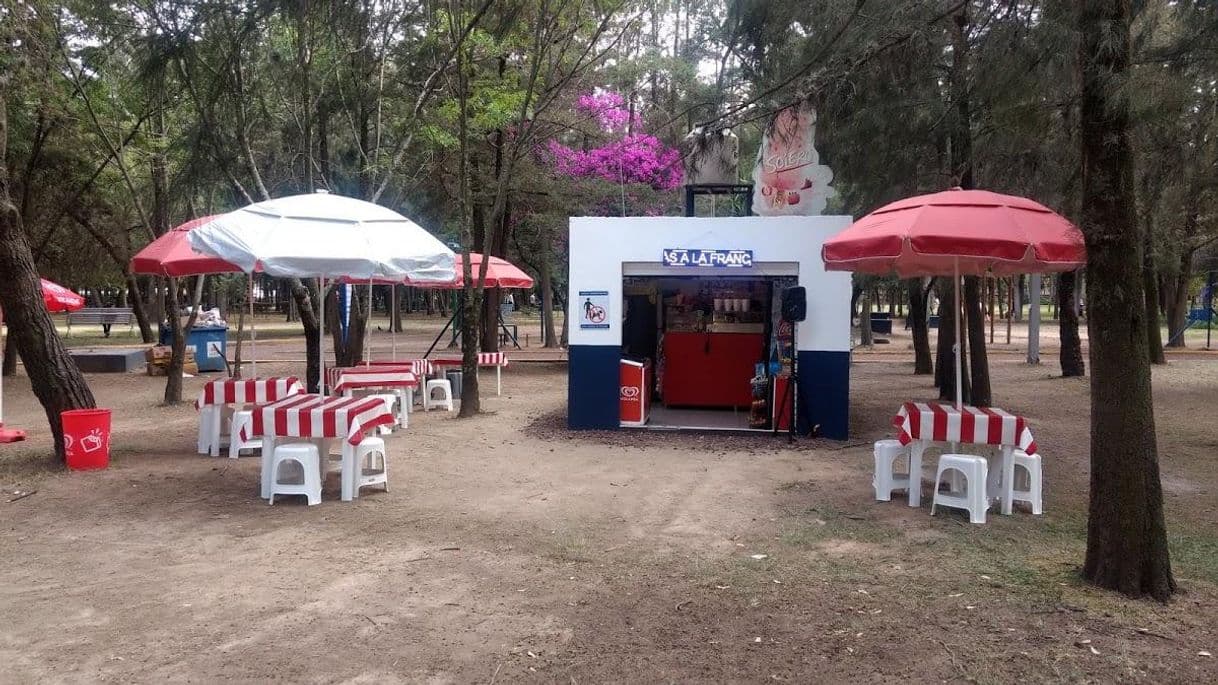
(317, 417)
(218, 394)
(420, 367)
(399, 379)
(921, 424)
(495, 359)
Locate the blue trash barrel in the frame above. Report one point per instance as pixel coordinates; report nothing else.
(209, 344)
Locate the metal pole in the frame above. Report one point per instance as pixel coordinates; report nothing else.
(367, 329)
(321, 333)
(393, 330)
(253, 332)
(960, 320)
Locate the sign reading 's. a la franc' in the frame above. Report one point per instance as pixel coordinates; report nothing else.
(676, 256)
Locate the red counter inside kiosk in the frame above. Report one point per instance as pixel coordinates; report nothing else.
(710, 369)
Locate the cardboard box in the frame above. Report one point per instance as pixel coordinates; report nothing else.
(158, 352)
(159, 369)
(161, 354)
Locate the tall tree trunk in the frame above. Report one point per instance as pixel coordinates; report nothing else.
(395, 303)
(491, 299)
(303, 298)
(54, 376)
(471, 403)
(1150, 283)
(979, 363)
(962, 168)
(866, 339)
(923, 363)
(548, 333)
(10, 356)
(137, 308)
(566, 322)
(945, 358)
(1126, 534)
(1071, 344)
(1019, 290)
(1177, 301)
(177, 358)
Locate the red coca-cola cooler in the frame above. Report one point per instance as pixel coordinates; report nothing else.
(634, 398)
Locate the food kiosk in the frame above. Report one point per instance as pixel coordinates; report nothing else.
(678, 323)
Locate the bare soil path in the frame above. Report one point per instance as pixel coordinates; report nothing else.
(509, 549)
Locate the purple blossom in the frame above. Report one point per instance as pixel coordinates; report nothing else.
(636, 158)
(610, 110)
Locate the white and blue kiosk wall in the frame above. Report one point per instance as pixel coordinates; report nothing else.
(603, 250)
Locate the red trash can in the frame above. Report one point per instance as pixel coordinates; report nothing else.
(86, 438)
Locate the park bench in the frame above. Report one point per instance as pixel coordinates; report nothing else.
(97, 316)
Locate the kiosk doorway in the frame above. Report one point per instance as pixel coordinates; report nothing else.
(715, 353)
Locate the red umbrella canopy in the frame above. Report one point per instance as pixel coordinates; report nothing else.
(500, 273)
(172, 255)
(59, 298)
(977, 231)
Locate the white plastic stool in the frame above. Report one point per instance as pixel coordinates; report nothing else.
(1031, 466)
(390, 400)
(371, 466)
(887, 452)
(442, 385)
(241, 419)
(306, 455)
(974, 498)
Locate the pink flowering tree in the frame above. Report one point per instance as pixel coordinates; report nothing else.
(628, 167)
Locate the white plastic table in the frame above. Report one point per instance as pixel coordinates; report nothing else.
(218, 394)
(317, 417)
(922, 424)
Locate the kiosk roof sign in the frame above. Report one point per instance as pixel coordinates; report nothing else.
(737, 259)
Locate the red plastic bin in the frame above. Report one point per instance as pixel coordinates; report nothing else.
(86, 438)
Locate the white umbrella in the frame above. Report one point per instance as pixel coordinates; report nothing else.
(325, 236)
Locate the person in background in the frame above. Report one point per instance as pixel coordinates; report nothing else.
(106, 324)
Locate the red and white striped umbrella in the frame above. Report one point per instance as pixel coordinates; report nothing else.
(59, 299)
(958, 232)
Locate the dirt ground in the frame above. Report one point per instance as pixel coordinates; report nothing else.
(509, 549)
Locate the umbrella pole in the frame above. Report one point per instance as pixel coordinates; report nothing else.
(321, 334)
(253, 333)
(959, 324)
(367, 334)
(393, 310)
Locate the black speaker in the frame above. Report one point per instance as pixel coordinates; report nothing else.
(795, 304)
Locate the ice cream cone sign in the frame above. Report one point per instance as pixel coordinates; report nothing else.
(788, 178)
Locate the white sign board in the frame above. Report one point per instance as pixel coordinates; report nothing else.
(788, 178)
(593, 308)
(214, 349)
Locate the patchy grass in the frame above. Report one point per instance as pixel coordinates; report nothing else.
(817, 526)
(1194, 555)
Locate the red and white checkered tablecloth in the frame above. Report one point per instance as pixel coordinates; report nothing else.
(941, 422)
(379, 376)
(316, 416)
(252, 391)
(484, 359)
(419, 367)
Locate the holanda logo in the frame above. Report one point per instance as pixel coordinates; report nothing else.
(630, 392)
